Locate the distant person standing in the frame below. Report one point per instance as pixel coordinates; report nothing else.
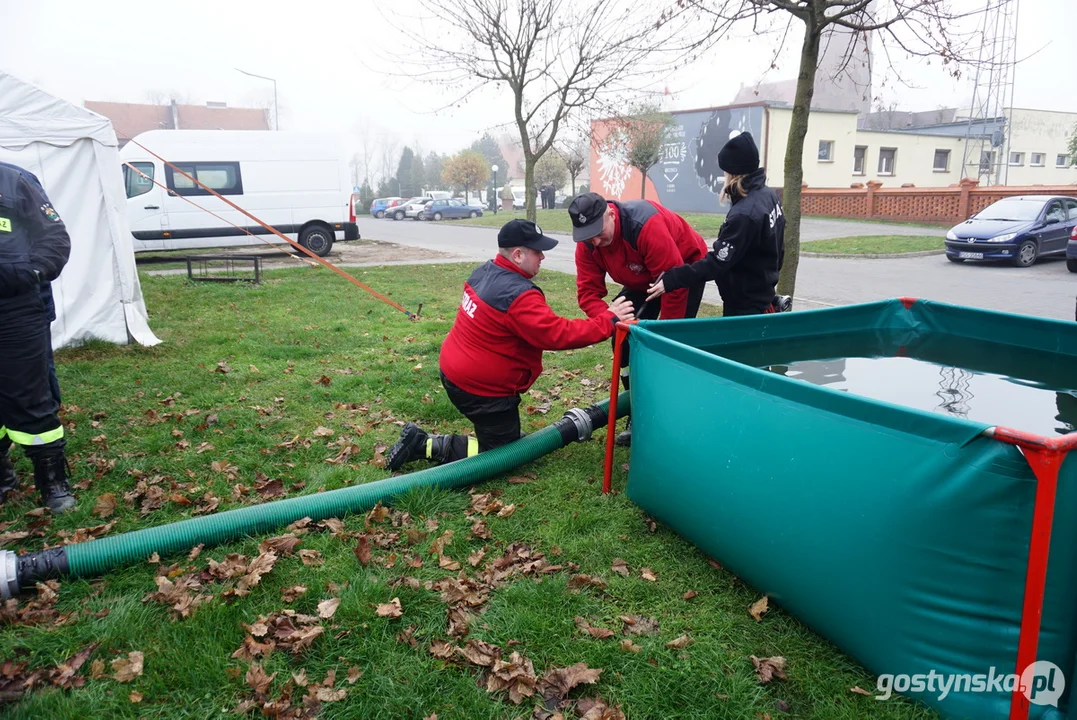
(34, 248)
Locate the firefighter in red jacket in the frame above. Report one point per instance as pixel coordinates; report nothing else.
(493, 352)
(633, 242)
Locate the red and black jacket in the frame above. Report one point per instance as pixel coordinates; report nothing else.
(502, 327)
(648, 241)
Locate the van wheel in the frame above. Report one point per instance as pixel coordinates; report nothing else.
(1071, 265)
(318, 239)
(473, 214)
(437, 216)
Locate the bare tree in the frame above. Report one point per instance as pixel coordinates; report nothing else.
(556, 56)
(912, 28)
(366, 149)
(575, 153)
(642, 134)
(389, 155)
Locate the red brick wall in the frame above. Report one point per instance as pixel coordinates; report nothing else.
(945, 206)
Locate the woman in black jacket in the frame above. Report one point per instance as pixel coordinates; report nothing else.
(750, 248)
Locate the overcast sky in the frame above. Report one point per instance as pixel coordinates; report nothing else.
(319, 50)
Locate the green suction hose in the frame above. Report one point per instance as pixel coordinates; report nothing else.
(99, 556)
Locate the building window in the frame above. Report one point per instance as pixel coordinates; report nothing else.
(859, 154)
(887, 157)
(136, 184)
(1017, 159)
(988, 161)
(1062, 160)
(942, 161)
(826, 151)
(1036, 160)
(223, 177)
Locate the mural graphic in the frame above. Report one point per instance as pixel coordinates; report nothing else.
(687, 177)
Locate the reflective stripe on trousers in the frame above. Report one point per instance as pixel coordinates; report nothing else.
(21, 438)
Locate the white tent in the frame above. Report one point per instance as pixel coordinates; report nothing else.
(74, 154)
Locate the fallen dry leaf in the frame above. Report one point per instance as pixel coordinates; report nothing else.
(321, 431)
(769, 668)
(311, 558)
(597, 709)
(105, 505)
(258, 680)
(476, 557)
(620, 567)
(362, 550)
(135, 696)
(630, 646)
(128, 668)
(282, 545)
(506, 511)
(328, 608)
(557, 683)
(354, 673)
(478, 652)
(759, 608)
(390, 609)
(516, 675)
(639, 625)
(291, 594)
(441, 649)
(861, 691)
(689, 595)
(580, 581)
(595, 632)
(680, 643)
(648, 574)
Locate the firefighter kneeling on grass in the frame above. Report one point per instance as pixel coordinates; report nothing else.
(34, 247)
(493, 353)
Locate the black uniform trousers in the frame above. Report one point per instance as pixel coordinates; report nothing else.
(496, 421)
(28, 407)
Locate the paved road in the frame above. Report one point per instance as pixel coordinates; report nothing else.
(1044, 290)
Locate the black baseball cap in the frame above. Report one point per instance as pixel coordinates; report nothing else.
(586, 211)
(524, 233)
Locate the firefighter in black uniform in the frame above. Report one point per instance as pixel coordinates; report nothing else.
(747, 256)
(34, 247)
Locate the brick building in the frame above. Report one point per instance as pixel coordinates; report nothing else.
(131, 119)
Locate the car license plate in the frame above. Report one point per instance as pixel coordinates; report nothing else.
(971, 256)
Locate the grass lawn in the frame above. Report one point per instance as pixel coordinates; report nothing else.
(293, 387)
(874, 245)
(706, 224)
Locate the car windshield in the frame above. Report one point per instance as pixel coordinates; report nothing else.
(1012, 209)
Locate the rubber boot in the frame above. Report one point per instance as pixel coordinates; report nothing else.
(50, 477)
(9, 479)
(410, 446)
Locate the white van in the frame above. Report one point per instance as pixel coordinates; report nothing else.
(294, 182)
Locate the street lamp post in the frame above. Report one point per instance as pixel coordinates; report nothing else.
(276, 109)
(496, 193)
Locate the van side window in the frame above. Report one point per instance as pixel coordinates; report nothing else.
(224, 177)
(136, 184)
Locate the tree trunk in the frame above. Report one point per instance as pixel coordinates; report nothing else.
(794, 156)
(574, 177)
(529, 187)
(643, 187)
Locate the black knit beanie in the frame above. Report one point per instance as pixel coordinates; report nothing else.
(739, 156)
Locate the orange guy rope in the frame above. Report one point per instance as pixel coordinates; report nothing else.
(279, 234)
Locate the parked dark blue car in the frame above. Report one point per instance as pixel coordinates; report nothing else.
(1018, 230)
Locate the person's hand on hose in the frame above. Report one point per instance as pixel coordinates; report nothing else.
(657, 289)
(623, 309)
